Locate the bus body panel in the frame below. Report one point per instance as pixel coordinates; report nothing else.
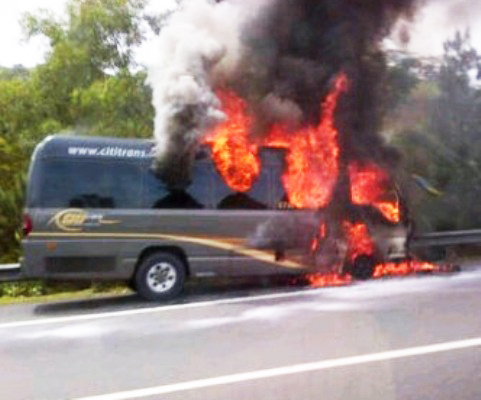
(97, 206)
(214, 245)
(90, 235)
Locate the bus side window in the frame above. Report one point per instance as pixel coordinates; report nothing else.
(90, 184)
(257, 198)
(195, 196)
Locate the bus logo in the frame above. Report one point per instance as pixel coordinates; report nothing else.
(74, 220)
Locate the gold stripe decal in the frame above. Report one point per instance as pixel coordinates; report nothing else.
(219, 244)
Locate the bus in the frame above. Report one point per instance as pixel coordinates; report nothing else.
(96, 209)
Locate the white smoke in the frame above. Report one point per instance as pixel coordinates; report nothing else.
(438, 20)
(199, 47)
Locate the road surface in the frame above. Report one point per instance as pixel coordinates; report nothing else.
(393, 339)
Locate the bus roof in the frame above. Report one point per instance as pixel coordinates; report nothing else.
(93, 147)
(101, 147)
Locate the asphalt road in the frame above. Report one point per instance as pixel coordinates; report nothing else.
(407, 338)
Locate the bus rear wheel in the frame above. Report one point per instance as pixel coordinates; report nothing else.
(160, 276)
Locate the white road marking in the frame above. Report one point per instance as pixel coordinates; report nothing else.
(289, 370)
(330, 292)
(149, 310)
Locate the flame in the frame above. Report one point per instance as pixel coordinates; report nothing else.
(369, 184)
(313, 155)
(310, 177)
(234, 156)
(322, 280)
(359, 241)
(313, 152)
(403, 268)
(382, 270)
(321, 234)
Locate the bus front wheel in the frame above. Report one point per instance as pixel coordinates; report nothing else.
(160, 276)
(363, 267)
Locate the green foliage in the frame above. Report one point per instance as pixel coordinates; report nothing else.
(90, 50)
(22, 289)
(17, 72)
(35, 288)
(86, 85)
(11, 202)
(116, 106)
(99, 33)
(12, 162)
(399, 83)
(441, 127)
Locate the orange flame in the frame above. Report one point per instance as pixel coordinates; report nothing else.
(403, 268)
(382, 270)
(358, 239)
(311, 174)
(369, 183)
(321, 234)
(234, 156)
(313, 155)
(322, 280)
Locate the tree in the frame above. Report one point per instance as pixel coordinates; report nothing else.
(401, 80)
(88, 84)
(91, 50)
(445, 147)
(455, 121)
(115, 106)
(101, 33)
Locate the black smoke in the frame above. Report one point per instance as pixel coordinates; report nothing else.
(297, 47)
(282, 56)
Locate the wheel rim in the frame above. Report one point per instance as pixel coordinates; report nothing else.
(161, 277)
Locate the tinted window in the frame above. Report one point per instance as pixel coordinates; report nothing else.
(195, 196)
(257, 198)
(90, 184)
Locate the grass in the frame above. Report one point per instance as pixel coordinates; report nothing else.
(39, 292)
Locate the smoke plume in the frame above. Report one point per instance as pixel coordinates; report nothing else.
(279, 55)
(197, 50)
(435, 22)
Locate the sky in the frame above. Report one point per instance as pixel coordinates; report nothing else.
(432, 26)
(14, 49)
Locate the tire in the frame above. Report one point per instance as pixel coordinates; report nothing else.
(131, 284)
(363, 267)
(160, 276)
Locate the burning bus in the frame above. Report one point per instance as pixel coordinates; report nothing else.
(101, 208)
(267, 158)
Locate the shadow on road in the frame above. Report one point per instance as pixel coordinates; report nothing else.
(195, 291)
(98, 304)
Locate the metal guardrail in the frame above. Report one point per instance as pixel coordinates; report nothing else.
(447, 238)
(9, 267)
(10, 272)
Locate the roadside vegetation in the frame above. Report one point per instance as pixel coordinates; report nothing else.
(37, 291)
(90, 84)
(437, 126)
